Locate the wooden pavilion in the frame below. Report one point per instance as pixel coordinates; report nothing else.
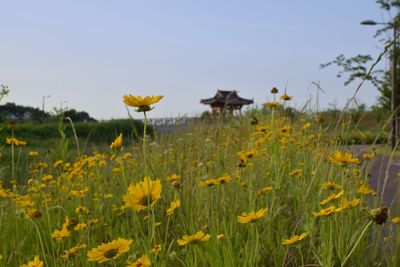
(226, 100)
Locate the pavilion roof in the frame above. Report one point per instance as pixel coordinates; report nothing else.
(226, 98)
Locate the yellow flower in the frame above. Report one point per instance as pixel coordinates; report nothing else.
(116, 170)
(117, 143)
(58, 163)
(156, 250)
(340, 157)
(286, 129)
(80, 226)
(220, 237)
(110, 250)
(346, 204)
(286, 97)
(33, 213)
(192, 239)
(325, 212)
(143, 194)
(35, 263)
(369, 155)
(352, 203)
(33, 153)
(141, 103)
(262, 128)
(365, 190)
(295, 239)
(24, 201)
(331, 197)
(330, 186)
(272, 104)
(209, 183)
(108, 195)
(224, 179)
(64, 232)
(47, 177)
(174, 205)
(306, 126)
(81, 209)
(72, 251)
(79, 193)
(263, 190)
(173, 178)
(296, 172)
(249, 217)
(92, 221)
(143, 261)
(15, 141)
(245, 156)
(395, 220)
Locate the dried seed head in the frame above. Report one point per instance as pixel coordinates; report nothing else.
(379, 215)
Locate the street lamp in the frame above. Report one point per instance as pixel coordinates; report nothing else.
(394, 134)
(44, 100)
(371, 22)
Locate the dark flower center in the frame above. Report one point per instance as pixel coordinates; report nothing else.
(143, 108)
(111, 253)
(146, 201)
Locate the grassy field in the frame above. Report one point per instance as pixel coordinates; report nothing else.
(88, 132)
(261, 189)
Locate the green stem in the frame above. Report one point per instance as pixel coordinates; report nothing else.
(256, 246)
(12, 157)
(144, 142)
(301, 256)
(150, 228)
(272, 118)
(356, 244)
(40, 239)
(48, 222)
(128, 192)
(167, 228)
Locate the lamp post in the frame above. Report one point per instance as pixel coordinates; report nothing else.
(394, 106)
(44, 100)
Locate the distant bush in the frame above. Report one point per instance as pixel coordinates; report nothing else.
(94, 132)
(364, 138)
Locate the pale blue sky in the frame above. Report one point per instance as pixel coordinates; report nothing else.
(90, 53)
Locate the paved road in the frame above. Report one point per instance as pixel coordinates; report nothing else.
(385, 180)
(384, 177)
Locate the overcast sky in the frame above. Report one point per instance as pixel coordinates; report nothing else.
(90, 53)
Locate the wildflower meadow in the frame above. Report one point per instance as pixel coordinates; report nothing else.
(263, 188)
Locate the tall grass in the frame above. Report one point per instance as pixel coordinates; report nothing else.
(293, 156)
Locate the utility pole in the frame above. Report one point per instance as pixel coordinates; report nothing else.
(44, 100)
(395, 111)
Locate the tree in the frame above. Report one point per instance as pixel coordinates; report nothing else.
(11, 111)
(357, 67)
(78, 115)
(4, 91)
